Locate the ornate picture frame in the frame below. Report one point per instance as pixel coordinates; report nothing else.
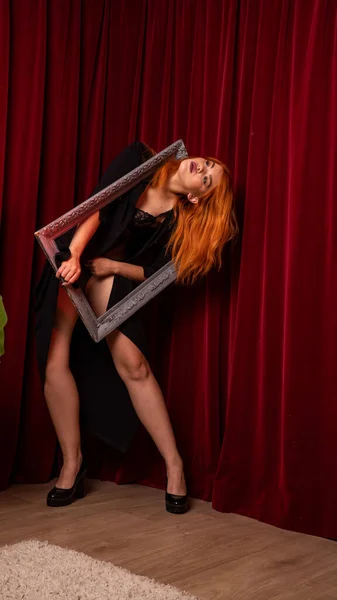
(100, 327)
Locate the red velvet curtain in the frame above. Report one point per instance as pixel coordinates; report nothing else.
(247, 359)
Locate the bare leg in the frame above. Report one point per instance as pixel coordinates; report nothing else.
(149, 405)
(61, 391)
(144, 391)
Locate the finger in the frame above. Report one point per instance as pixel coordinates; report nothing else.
(68, 273)
(73, 279)
(69, 279)
(60, 277)
(62, 270)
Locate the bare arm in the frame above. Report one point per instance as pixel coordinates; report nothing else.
(83, 234)
(130, 271)
(70, 270)
(103, 267)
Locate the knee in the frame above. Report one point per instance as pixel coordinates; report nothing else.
(134, 370)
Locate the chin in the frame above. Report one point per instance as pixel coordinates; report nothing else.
(187, 179)
(184, 165)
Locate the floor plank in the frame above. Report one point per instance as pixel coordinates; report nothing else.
(212, 555)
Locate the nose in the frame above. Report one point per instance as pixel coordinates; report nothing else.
(201, 167)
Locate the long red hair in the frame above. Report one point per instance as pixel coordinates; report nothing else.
(200, 230)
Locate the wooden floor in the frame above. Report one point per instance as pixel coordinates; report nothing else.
(209, 554)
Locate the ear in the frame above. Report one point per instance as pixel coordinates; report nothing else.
(192, 198)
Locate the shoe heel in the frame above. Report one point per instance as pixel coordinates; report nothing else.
(81, 488)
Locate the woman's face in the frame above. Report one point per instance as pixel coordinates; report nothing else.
(197, 176)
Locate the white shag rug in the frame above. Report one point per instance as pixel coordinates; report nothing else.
(35, 570)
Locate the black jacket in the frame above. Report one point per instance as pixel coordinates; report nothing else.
(106, 408)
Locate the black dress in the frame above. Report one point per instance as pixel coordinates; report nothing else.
(131, 235)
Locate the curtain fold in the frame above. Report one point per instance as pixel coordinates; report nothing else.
(282, 380)
(247, 358)
(24, 118)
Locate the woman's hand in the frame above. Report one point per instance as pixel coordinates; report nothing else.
(69, 271)
(103, 267)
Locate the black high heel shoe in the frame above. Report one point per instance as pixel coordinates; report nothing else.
(63, 497)
(177, 505)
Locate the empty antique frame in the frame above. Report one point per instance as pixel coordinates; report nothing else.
(100, 327)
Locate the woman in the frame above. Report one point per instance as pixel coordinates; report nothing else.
(185, 213)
